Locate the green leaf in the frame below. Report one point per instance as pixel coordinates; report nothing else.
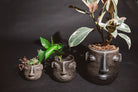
(79, 35)
(126, 38)
(41, 55)
(45, 43)
(114, 34)
(50, 51)
(124, 27)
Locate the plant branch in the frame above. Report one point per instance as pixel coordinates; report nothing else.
(98, 28)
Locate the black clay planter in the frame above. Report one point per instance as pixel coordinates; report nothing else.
(103, 66)
(64, 70)
(33, 72)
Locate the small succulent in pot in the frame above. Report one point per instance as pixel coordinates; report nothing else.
(32, 68)
(102, 55)
(63, 66)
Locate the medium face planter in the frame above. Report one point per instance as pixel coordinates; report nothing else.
(64, 70)
(33, 72)
(103, 66)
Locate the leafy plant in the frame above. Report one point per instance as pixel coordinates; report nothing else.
(50, 48)
(113, 24)
(25, 61)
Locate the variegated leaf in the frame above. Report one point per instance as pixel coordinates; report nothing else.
(111, 6)
(114, 34)
(126, 38)
(124, 27)
(79, 35)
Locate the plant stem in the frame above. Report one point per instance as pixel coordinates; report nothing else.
(110, 38)
(98, 28)
(109, 34)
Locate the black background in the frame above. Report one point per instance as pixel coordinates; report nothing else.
(22, 22)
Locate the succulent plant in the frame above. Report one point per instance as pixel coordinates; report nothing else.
(25, 61)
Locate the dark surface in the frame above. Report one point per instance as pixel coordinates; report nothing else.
(22, 22)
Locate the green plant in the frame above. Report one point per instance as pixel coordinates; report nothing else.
(113, 23)
(50, 48)
(25, 61)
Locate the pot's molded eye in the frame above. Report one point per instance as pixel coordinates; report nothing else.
(55, 64)
(38, 69)
(116, 58)
(92, 58)
(73, 64)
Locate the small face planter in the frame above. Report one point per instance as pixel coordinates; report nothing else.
(103, 66)
(64, 70)
(33, 72)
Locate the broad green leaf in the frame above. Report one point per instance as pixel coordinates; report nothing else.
(114, 34)
(50, 51)
(45, 43)
(126, 38)
(124, 27)
(79, 35)
(41, 55)
(60, 46)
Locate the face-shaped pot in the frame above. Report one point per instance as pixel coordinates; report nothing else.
(33, 72)
(103, 66)
(65, 69)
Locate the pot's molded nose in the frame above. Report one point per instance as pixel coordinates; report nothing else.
(63, 69)
(31, 72)
(104, 69)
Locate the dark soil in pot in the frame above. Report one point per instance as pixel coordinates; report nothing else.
(64, 70)
(102, 63)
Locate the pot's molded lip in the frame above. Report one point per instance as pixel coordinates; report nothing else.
(70, 60)
(34, 65)
(105, 51)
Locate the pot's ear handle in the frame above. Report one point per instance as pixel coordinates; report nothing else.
(52, 64)
(86, 55)
(120, 57)
(21, 66)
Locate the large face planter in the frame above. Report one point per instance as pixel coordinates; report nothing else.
(33, 72)
(103, 66)
(64, 70)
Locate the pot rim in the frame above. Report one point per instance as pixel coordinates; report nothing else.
(105, 51)
(71, 60)
(34, 65)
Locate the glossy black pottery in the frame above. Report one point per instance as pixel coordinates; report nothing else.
(102, 66)
(64, 70)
